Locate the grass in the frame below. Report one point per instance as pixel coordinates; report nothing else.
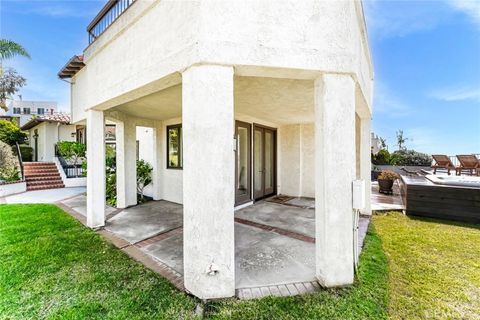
(434, 267)
(52, 267)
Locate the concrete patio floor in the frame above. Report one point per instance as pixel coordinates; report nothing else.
(274, 243)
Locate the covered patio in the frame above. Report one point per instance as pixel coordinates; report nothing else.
(274, 241)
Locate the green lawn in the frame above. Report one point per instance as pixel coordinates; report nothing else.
(434, 267)
(53, 267)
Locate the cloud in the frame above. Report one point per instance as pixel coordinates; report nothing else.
(469, 7)
(457, 94)
(389, 19)
(386, 102)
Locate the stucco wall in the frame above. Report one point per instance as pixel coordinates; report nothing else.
(295, 160)
(296, 153)
(49, 133)
(307, 35)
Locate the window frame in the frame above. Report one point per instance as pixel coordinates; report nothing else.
(25, 110)
(41, 113)
(180, 147)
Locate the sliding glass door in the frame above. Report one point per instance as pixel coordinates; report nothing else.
(243, 163)
(264, 161)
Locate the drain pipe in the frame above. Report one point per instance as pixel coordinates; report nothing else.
(358, 203)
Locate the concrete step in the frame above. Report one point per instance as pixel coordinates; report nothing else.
(43, 187)
(40, 171)
(44, 182)
(38, 163)
(43, 177)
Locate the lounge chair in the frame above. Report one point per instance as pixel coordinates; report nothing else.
(442, 162)
(468, 163)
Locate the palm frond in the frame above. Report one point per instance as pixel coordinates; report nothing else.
(10, 49)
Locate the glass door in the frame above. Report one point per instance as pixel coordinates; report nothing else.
(242, 163)
(264, 163)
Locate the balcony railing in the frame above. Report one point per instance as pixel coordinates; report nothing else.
(110, 12)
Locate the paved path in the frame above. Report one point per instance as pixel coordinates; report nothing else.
(383, 202)
(43, 196)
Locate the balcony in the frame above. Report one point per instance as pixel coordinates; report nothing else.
(109, 13)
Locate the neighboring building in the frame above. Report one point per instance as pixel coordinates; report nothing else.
(22, 111)
(376, 143)
(44, 131)
(244, 100)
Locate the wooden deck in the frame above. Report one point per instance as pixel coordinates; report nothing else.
(425, 198)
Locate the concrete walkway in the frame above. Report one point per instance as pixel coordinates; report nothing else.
(43, 196)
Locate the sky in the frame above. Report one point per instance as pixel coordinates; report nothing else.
(426, 56)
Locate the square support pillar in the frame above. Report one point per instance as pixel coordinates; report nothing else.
(95, 169)
(208, 181)
(157, 164)
(366, 161)
(126, 154)
(335, 168)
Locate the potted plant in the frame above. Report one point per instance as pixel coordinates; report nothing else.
(385, 181)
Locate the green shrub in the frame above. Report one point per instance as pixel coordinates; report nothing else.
(144, 177)
(10, 133)
(410, 158)
(71, 150)
(27, 153)
(9, 168)
(381, 158)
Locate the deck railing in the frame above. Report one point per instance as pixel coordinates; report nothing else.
(109, 13)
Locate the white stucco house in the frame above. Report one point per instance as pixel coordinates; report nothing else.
(244, 100)
(44, 131)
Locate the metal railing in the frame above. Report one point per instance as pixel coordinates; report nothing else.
(109, 13)
(20, 161)
(70, 170)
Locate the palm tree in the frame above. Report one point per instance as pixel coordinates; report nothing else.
(10, 49)
(10, 81)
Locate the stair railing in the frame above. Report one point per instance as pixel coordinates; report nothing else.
(20, 161)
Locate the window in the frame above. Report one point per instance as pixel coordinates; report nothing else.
(17, 110)
(174, 147)
(26, 110)
(40, 111)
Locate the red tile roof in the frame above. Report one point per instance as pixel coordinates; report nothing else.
(63, 118)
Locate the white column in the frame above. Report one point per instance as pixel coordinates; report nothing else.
(157, 162)
(95, 169)
(208, 181)
(365, 161)
(334, 172)
(126, 156)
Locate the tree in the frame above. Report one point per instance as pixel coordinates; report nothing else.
(10, 133)
(10, 49)
(144, 176)
(10, 81)
(72, 151)
(383, 143)
(401, 139)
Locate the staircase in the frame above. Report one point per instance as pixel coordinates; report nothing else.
(42, 175)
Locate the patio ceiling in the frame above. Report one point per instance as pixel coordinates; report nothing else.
(280, 101)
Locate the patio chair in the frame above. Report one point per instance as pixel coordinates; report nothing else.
(442, 162)
(468, 163)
